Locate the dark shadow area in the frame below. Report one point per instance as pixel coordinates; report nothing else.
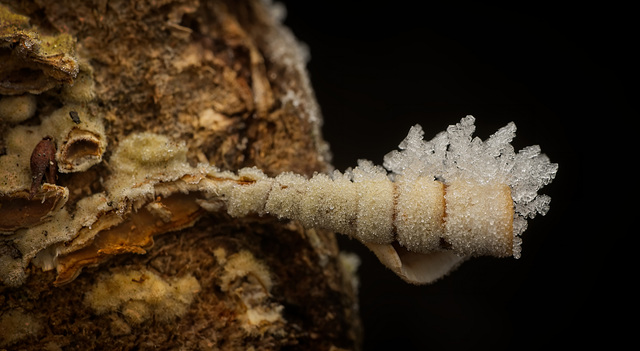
(558, 75)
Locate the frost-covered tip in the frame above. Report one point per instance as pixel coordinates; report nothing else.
(433, 204)
(489, 188)
(453, 193)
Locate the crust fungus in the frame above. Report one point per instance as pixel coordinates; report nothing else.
(250, 281)
(42, 83)
(17, 108)
(80, 145)
(36, 153)
(133, 235)
(141, 295)
(22, 210)
(32, 62)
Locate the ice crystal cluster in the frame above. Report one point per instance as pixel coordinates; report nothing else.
(453, 193)
(456, 158)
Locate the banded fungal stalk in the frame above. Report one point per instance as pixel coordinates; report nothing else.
(428, 208)
(433, 204)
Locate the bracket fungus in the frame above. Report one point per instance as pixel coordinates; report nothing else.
(40, 143)
(56, 145)
(22, 210)
(33, 62)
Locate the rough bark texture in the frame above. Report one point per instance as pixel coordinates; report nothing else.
(226, 78)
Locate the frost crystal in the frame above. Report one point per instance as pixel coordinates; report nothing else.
(455, 155)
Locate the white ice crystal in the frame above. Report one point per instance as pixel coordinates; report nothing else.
(455, 155)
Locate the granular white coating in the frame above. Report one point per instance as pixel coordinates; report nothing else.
(455, 192)
(420, 213)
(376, 203)
(483, 180)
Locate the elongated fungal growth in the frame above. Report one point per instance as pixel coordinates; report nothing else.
(441, 200)
(453, 193)
(434, 203)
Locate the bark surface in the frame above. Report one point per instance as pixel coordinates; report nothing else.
(228, 79)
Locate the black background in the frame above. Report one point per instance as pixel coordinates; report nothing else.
(558, 74)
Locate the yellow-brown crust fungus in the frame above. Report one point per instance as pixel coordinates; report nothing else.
(33, 62)
(17, 108)
(21, 210)
(134, 235)
(141, 295)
